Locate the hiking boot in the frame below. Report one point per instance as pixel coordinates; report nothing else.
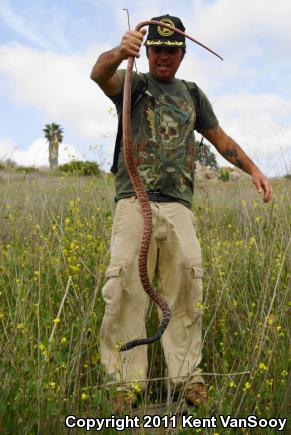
(123, 401)
(196, 394)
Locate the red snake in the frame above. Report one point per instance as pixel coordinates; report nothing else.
(142, 195)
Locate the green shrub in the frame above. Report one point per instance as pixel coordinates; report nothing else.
(80, 167)
(223, 174)
(10, 163)
(7, 164)
(26, 169)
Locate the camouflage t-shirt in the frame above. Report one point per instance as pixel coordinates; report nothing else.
(163, 141)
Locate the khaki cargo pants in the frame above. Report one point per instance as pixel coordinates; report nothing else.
(175, 258)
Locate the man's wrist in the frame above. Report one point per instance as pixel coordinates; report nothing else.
(255, 171)
(119, 55)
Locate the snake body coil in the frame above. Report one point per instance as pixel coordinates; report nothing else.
(142, 196)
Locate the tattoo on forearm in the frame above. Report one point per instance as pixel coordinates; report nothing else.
(230, 152)
(239, 163)
(233, 154)
(229, 149)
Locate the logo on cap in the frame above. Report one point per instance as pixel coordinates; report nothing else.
(163, 31)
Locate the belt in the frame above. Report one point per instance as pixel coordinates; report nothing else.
(157, 196)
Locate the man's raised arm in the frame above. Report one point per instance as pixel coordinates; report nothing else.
(104, 72)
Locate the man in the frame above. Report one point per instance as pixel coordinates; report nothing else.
(163, 148)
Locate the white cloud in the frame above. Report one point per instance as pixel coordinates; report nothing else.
(230, 23)
(6, 148)
(37, 153)
(260, 124)
(58, 85)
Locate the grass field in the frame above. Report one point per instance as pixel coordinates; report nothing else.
(55, 238)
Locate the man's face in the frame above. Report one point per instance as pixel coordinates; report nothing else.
(164, 62)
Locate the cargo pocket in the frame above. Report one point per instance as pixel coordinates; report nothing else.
(185, 318)
(182, 327)
(197, 272)
(113, 288)
(112, 271)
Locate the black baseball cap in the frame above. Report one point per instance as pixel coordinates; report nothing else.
(159, 36)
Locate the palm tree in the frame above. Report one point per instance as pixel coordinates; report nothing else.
(54, 135)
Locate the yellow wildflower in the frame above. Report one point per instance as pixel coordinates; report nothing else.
(57, 320)
(270, 320)
(262, 367)
(247, 386)
(135, 386)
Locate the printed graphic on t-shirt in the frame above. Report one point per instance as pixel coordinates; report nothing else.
(165, 152)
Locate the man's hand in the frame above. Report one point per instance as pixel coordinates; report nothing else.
(131, 43)
(262, 184)
(104, 72)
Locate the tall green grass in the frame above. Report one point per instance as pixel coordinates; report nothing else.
(55, 241)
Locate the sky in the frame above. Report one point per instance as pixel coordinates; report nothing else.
(48, 48)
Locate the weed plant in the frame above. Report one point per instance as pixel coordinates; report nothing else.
(55, 243)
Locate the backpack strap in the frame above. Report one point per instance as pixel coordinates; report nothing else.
(136, 97)
(193, 91)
